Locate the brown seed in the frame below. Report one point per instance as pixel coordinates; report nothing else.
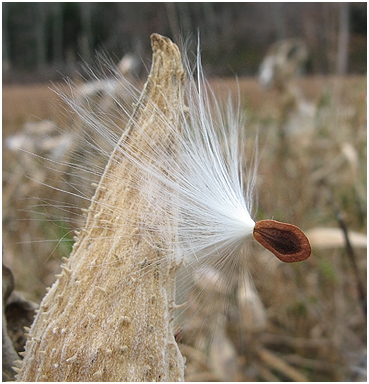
(286, 241)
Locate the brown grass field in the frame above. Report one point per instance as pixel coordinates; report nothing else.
(312, 166)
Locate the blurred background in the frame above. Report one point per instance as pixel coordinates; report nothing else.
(301, 75)
(42, 41)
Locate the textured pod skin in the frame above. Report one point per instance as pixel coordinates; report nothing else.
(286, 241)
(101, 320)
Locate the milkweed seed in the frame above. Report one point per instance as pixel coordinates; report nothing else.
(285, 241)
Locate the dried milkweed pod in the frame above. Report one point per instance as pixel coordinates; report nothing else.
(107, 317)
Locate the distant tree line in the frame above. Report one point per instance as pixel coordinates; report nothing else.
(41, 40)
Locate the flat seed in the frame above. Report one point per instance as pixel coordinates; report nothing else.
(285, 241)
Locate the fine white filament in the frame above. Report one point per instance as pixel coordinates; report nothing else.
(207, 178)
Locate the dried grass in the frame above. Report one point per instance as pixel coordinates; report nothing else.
(315, 329)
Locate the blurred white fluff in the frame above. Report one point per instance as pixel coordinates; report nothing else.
(42, 138)
(283, 61)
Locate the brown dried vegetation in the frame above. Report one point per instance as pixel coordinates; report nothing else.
(303, 321)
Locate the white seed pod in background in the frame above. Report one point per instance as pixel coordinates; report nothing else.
(252, 310)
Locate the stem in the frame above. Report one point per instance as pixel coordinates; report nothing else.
(350, 254)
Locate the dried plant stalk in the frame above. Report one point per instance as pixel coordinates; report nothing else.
(108, 315)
